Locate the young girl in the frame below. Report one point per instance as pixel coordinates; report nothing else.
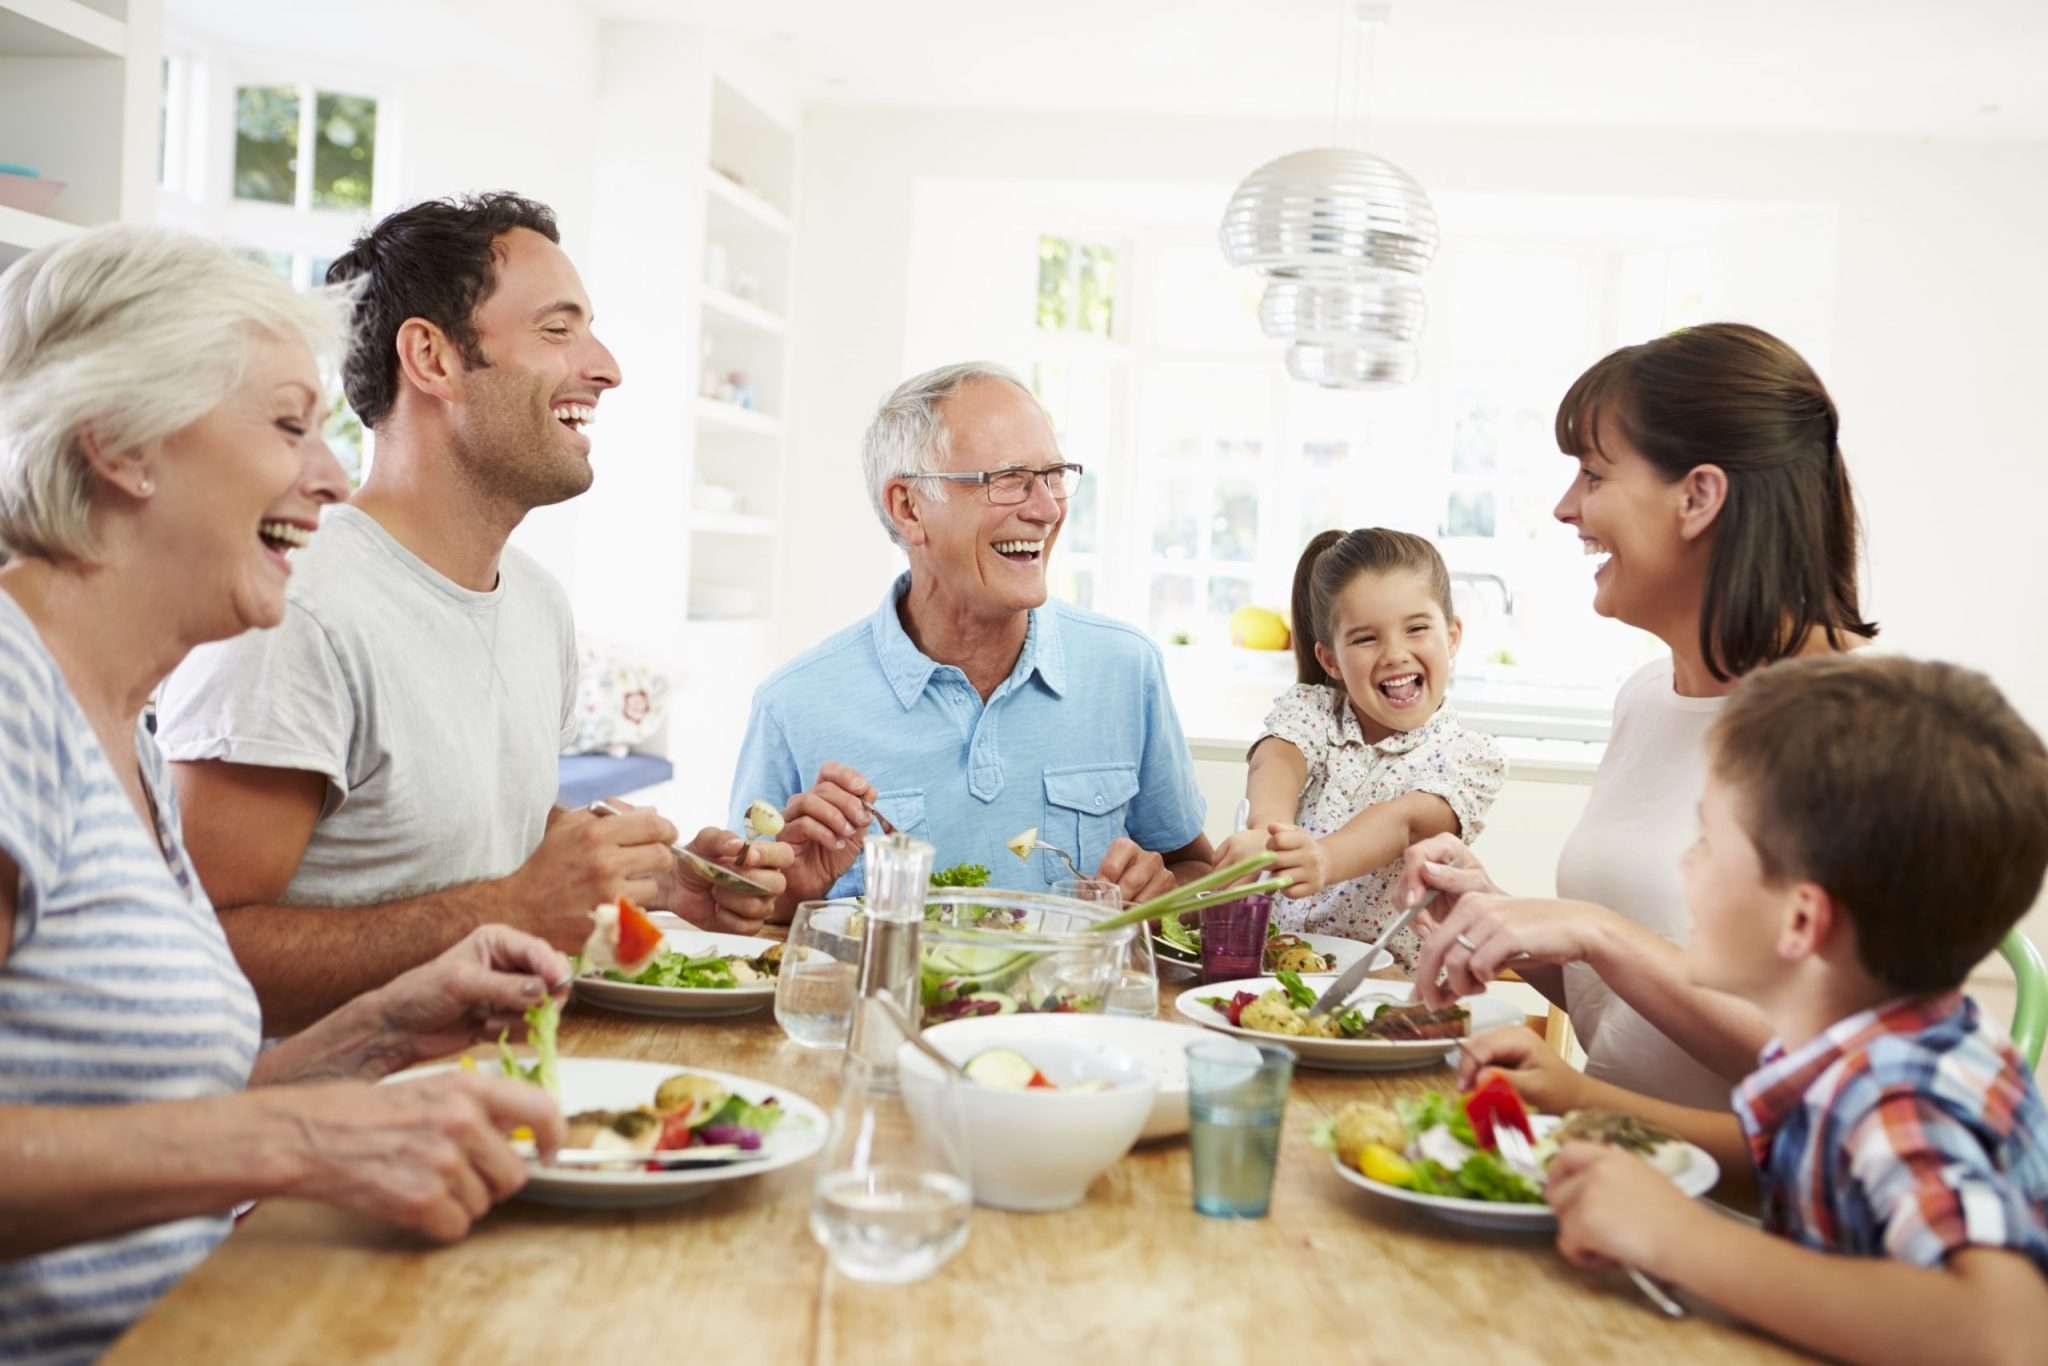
(1362, 757)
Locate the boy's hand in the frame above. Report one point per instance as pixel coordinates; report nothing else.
(1545, 1082)
(1300, 857)
(1613, 1207)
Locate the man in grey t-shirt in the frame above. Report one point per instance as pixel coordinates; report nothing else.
(370, 781)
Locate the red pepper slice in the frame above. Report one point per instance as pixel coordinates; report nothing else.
(1039, 1081)
(1494, 1102)
(639, 937)
(675, 1129)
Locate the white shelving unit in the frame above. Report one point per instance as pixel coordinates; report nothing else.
(78, 102)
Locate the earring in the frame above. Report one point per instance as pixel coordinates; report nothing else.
(147, 487)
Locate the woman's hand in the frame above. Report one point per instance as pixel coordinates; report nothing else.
(1484, 932)
(474, 990)
(1300, 856)
(1442, 864)
(428, 1155)
(1546, 1083)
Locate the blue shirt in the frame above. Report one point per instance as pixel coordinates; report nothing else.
(1081, 741)
(118, 988)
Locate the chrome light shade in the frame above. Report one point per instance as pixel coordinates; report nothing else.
(1345, 237)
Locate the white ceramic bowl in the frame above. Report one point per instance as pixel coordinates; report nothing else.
(1161, 1045)
(1037, 1150)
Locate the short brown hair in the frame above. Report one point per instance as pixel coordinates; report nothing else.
(1327, 567)
(1910, 791)
(1783, 560)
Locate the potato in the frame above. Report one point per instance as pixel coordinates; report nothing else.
(1272, 1013)
(684, 1088)
(1361, 1123)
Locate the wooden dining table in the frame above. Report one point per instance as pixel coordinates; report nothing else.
(1333, 1273)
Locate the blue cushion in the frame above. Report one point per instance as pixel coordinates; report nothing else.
(586, 777)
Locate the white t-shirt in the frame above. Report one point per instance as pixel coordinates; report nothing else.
(1640, 817)
(1347, 774)
(435, 713)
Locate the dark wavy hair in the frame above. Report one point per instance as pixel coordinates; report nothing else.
(1783, 559)
(432, 261)
(1327, 567)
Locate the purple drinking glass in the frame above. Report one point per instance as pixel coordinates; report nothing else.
(1234, 939)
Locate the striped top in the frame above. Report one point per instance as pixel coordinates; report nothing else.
(119, 987)
(1906, 1131)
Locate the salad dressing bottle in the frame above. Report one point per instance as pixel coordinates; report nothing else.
(892, 1198)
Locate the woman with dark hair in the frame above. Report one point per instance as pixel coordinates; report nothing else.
(1711, 486)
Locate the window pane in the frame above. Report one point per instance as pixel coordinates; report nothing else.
(163, 123)
(317, 272)
(1173, 605)
(1225, 597)
(278, 262)
(1055, 283)
(266, 143)
(1079, 532)
(1469, 514)
(1176, 521)
(344, 433)
(1234, 530)
(1075, 584)
(344, 151)
(1098, 290)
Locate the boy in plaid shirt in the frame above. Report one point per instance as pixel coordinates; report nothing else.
(1870, 830)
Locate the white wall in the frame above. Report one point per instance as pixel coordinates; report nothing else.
(1938, 282)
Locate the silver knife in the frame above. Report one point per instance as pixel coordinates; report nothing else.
(1341, 989)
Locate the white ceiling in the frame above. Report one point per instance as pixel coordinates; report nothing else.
(1956, 68)
(1971, 68)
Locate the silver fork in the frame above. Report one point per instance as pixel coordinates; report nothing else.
(1064, 857)
(1516, 1151)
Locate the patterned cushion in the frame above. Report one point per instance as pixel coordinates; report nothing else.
(621, 698)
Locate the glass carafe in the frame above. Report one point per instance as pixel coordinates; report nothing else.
(892, 1196)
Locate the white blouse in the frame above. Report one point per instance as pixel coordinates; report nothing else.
(1347, 774)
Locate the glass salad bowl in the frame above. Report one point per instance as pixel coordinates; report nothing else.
(986, 951)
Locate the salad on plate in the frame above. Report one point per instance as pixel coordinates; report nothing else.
(1285, 1010)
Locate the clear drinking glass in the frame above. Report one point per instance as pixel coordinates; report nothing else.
(1237, 1096)
(892, 1199)
(1136, 990)
(1234, 939)
(820, 975)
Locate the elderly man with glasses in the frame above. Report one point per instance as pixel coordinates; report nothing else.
(970, 708)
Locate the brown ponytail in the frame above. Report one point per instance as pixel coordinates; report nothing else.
(1329, 564)
(1783, 560)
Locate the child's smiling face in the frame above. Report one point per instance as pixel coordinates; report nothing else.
(1392, 648)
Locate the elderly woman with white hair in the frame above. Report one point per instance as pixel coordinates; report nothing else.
(160, 458)
(969, 707)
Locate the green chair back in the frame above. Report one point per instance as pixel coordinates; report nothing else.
(2030, 1007)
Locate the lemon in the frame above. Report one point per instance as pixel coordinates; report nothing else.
(1255, 628)
(1383, 1164)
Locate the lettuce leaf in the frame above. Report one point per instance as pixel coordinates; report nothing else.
(1432, 1108)
(541, 1022)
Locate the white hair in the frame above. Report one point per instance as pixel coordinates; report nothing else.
(137, 333)
(908, 437)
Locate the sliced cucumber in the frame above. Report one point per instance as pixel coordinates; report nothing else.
(1003, 1068)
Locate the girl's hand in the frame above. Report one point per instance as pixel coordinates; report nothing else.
(1485, 932)
(1613, 1207)
(1545, 1082)
(1300, 857)
(1240, 847)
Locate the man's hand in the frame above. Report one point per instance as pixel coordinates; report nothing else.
(583, 861)
(824, 826)
(1139, 874)
(1546, 1082)
(1613, 1207)
(731, 910)
(476, 990)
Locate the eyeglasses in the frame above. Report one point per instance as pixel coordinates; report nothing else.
(1007, 487)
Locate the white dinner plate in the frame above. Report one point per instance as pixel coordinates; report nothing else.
(1349, 1055)
(687, 1002)
(1161, 1045)
(1696, 1178)
(619, 1084)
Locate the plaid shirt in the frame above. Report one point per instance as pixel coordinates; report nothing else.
(1904, 1131)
